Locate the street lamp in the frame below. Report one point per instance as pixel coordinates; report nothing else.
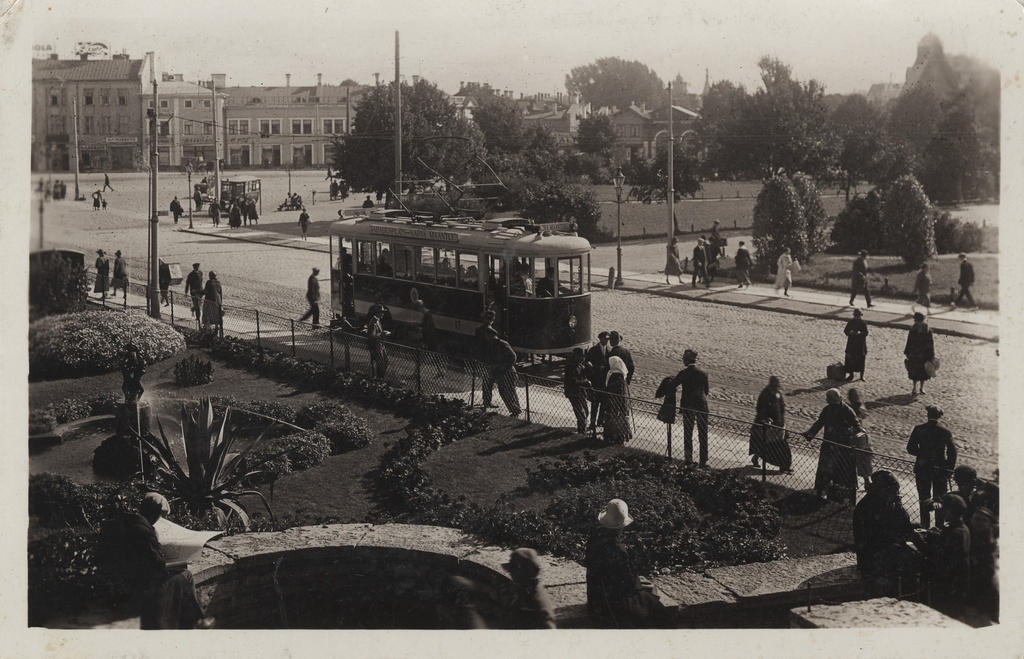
(188, 171)
(618, 180)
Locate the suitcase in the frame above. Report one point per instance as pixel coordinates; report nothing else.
(836, 371)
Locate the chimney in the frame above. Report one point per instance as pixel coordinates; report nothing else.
(84, 57)
(319, 79)
(462, 85)
(287, 80)
(520, 96)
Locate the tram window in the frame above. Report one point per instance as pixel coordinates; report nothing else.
(385, 260)
(468, 269)
(364, 257)
(403, 261)
(521, 281)
(446, 267)
(425, 270)
(570, 276)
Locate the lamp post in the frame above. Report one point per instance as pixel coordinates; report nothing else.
(188, 171)
(618, 180)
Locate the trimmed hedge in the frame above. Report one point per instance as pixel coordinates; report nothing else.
(41, 421)
(193, 371)
(93, 342)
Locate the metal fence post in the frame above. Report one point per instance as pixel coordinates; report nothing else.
(419, 370)
(259, 342)
(764, 464)
(170, 301)
(292, 322)
(330, 335)
(668, 429)
(472, 388)
(527, 381)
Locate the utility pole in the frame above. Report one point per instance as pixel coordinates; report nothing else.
(74, 106)
(216, 145)
(154, 222)
(398, 122)
(670, 200)
(348, 110)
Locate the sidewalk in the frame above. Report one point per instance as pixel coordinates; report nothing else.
(982, 325)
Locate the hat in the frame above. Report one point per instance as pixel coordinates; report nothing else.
(717, 222)
(602, 335)
(857, 313)
(195, 265)
(316, 271)
(833, 395)
(954, 502)
(965, 472)
(154, 503)
(212, 274)
(863, 252)
(523, 561)
(615, 515)
(614, 336)
(100, 252)
(117, 253)
(934, 411)
(690, 355)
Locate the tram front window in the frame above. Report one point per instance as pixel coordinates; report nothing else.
(385, 261)
(521, 282)
(446, 267)
(570, 276)
(365, 257)
(468, 270)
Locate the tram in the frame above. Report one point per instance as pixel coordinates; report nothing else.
(535, 277)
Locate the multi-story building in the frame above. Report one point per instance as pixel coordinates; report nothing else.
(296, 126)
(638, 129)
(110, 119)
(188, 116)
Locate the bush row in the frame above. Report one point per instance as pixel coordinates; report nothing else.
(193, 371)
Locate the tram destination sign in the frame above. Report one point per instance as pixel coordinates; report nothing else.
(415, 232)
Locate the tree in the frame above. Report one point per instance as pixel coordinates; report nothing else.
(557, 201)
(648, 180)
(615, 82)
(431, 132)
(909, 221)
(596, 135)
(913, 118)
(56, 284)
(859, 226)
(778, 221)
(723, 133)
(501, 122)
(858, 127)
(813, 212)
(952, 167)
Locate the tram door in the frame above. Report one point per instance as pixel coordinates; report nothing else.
(497, 289)
(342, 280)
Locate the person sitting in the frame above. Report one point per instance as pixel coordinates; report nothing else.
(948, 558)
(546, 284)
(616, 597)
(131, 554)
(526, 602)
(881, 529)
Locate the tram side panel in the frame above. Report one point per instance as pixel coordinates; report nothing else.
(549, 325)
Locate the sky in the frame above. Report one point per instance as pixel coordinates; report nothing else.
(528, 46)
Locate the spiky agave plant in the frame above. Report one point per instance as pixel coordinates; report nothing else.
(216, 469)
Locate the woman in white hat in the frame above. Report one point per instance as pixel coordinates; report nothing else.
(615, 595)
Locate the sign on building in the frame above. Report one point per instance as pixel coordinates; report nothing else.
(92, 48)
(43, 50)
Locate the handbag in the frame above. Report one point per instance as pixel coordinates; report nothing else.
(795, 268)
(931, 366)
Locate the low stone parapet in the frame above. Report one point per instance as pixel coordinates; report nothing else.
(881, 612)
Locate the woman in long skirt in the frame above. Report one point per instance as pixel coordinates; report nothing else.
(920, 350)
(768, 440)
(213, 302)
(784, 277)
(672, 266)
(836, 469)
(616, 418)
(856, 345)
(861, 441)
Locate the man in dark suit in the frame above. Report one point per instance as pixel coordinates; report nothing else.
(966, 281)
(859, 279)
(618, 351)
(932, 446)
(597, 365)
(693, 406)
(700, 264)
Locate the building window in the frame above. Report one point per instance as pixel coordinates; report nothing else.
(206, 103)
(207, 129)
(302, 155)
(163, 104)
(88, 96)
(270, 156)
(296, 126)
(334, 126)
(151, 104)
(105, 97)
(307, 126)
(122, 100)
(634, 131)
(270, 127)
(186, 128)
(188, 102)
(105, 125)
(238, 155)
(87, 126)
(54, 99)
(122, 124)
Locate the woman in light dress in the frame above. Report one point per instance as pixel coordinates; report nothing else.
(784, 276)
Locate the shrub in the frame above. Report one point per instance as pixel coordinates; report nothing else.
(314, 414)
(57, 285)
(815, 218)
(41, 421)
(778, 221)
(56, 501)
(93, 342)
(70, 409)
(304, 449)
(119, 456)
(859, 226)
(953, 235)
(909, 222)
(62, 574)
(193, 371)
(346, 434)
(104, 403)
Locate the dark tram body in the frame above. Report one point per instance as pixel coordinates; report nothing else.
(535, 277)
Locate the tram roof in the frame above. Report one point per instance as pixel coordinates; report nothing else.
(498, 235)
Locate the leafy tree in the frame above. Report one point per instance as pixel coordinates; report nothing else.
(556, 201)
(589, 167)
(57, 285)
(859, 128)
(813, 212)
(859, 226)
(596, 135)
(501, 122)
(909, 221)
(913, 118)
(648, 180)
(723, 132)
(778, 221)
(431, 132)
(952, 166)
(615, 82)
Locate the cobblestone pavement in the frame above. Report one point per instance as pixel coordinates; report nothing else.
(739, 346)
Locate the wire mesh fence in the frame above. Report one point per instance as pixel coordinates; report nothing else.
(812, 480)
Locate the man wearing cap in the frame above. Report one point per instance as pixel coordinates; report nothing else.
(597, 362)
(693, 406)
(130, 555)
(859, 280)
(120, 274)
(102, 274)
(194, 288)
(313, 297)
(500, 361)
(700, 264)
(932, 445)
(617, 350)
(616, 597)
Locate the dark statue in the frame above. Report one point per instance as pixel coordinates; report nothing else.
(133, 368)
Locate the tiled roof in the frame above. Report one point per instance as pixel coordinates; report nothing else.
(79, 70)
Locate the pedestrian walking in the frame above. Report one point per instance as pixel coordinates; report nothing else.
(376, 334)
(215, 213)
(577, 387)
(250, 209)
(620, 351)
(213, 302)
(617, 417)
(935, 454)
(106, 183)
(500, 363)
(380, 195)
(717, 250)
(198, 199)
(768, 440)
(369, 202)
(102, 274)
(743, 264)
(700, 264)
(920, 353)
(692, 383)
(672, 266)
(597, 362)
(304, 222)
(856, 332)
(334, 190)
(235, 216)
(784, 274)
(96, 197)
(711, 252)
(313, 298)
(176, 209)
(966, 280)
(194, 288)
(836, 476)
(922, 289)
(164, 279)
(120, 279)
(861, 440)
(859, 278)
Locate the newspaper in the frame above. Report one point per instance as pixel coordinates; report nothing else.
(180, 545)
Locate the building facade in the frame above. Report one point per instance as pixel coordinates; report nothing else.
(189, 117)
(109, 114)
